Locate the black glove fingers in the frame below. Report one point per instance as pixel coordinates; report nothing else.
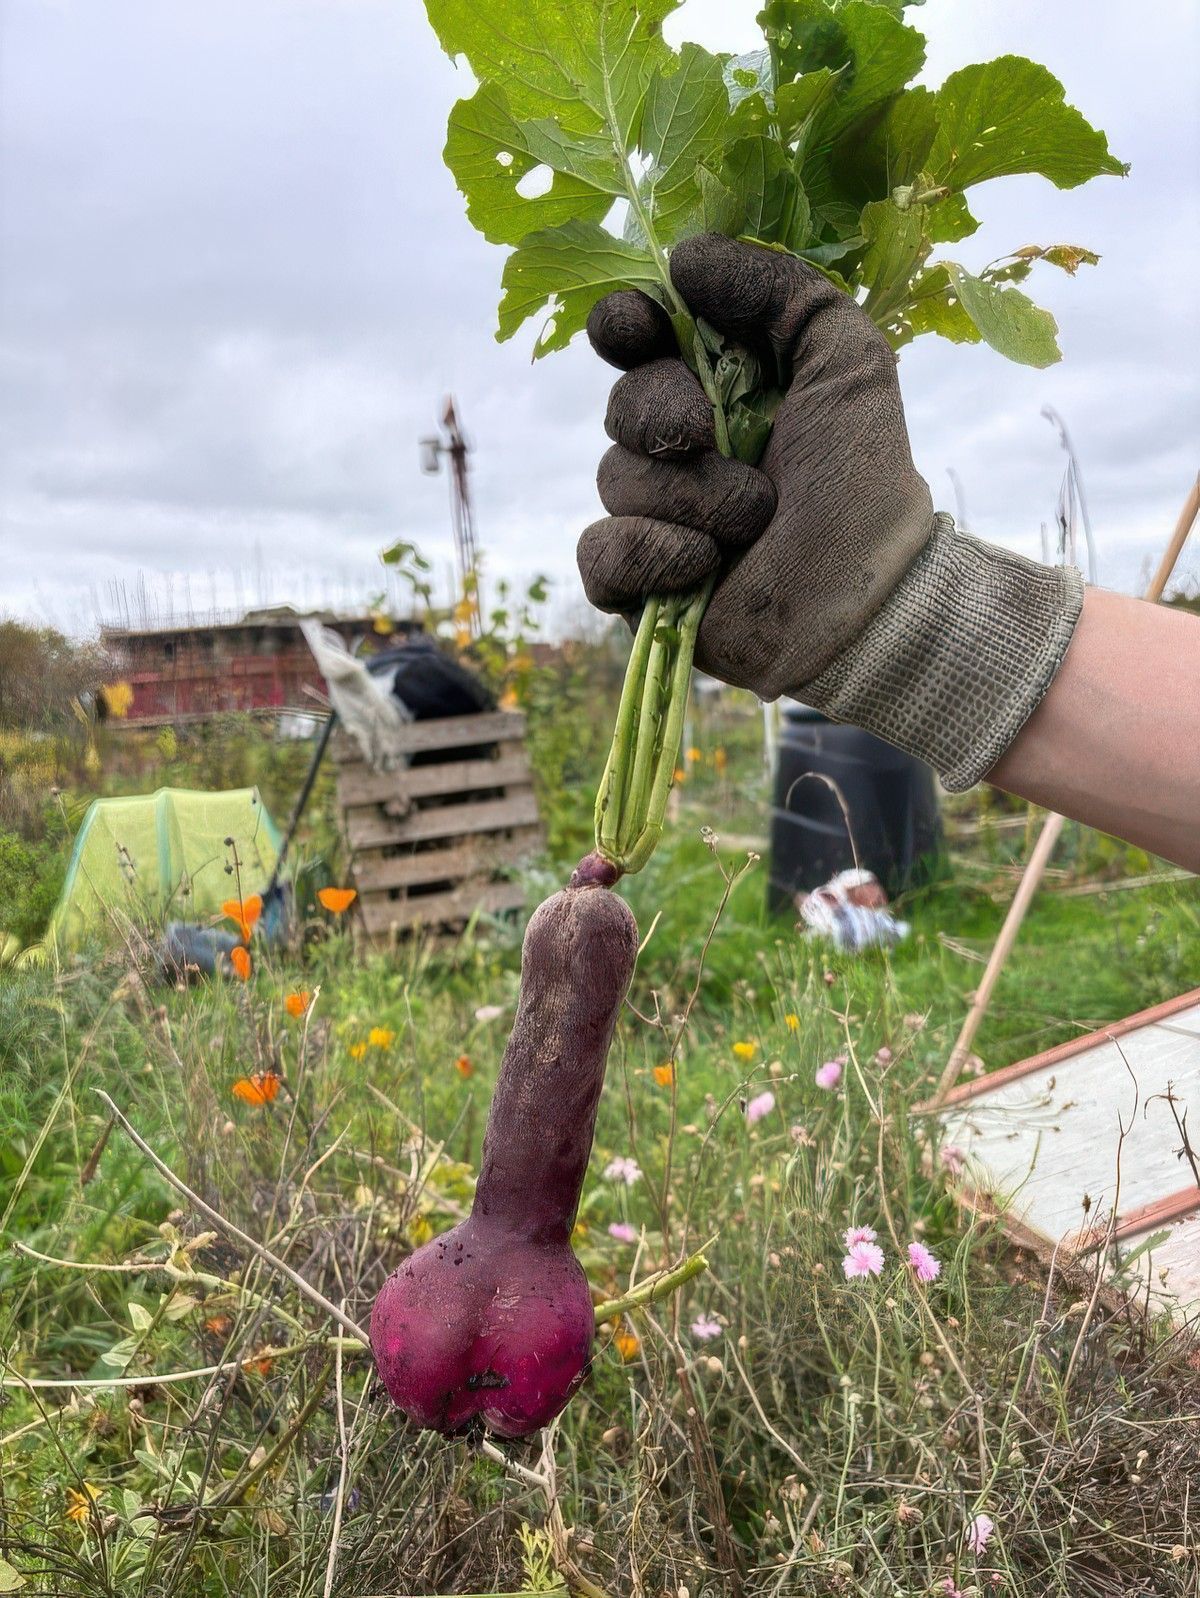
(622, 559)
(660, 409)
(758, 297)
(725, 498)
(627, 328)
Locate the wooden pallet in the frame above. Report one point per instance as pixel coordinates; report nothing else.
(430, 841)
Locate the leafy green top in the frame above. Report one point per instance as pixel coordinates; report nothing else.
(815, 143)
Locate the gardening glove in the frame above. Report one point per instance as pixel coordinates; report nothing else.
(835, 580)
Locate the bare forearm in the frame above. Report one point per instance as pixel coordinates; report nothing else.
(1116, 741)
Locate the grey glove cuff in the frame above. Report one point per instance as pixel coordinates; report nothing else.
(959, 657)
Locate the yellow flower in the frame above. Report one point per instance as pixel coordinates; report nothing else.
(627, 1345)
(792, 1022)
(664, 1075)
(357, 1051)
(680, 774)
(745, 1051)
(719, 759)
(117, 696)
(79, 1502)
(694, 755)
(381, 1037)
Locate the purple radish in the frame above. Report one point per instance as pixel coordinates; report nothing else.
(492, 1323)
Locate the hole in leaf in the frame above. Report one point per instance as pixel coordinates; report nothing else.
(504, 157)
(535, 183)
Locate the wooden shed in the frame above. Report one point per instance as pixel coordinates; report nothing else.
(1090, 1148)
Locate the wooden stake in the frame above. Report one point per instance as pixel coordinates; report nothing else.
(1043, 849)
(1191, 508)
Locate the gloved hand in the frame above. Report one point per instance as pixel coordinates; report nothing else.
(836, 582)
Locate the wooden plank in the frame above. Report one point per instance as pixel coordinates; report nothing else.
(367, 831)
(359, 785)
(1066, 1051)
(475, 856)
(446, 732)
(1065, 1138)
(381, 915)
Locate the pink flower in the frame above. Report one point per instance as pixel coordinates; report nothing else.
(863, 1259)
(859, 1234)
(951, 1159)
(705, 1328)
(883, 1056)
(623, 1232)
(761, 1104)
(951, 1588)
(927, 1268)
(979, 1533)
(829, 1074)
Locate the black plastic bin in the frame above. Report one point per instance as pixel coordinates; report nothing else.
(891, 799)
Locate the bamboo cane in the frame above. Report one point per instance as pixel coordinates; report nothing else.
(1043, 849)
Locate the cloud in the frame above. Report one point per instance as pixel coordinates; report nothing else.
(238, 281)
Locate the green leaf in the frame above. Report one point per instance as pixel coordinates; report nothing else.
(775, 209)
(935, 308)
(683, 121)
(798, 103)
(950, 220)
(568, 268)
(587, 65)
(1010, 323)
(872, 50)
(1010, 115)
(565, 88)
(490, 152)
(10, 1580)
(718, 208)
(752, 73)
(896, 247)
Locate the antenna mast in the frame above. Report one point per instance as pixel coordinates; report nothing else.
(454, 447)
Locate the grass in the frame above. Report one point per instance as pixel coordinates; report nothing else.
(835, 1437)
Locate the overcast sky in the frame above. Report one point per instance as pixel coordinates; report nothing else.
(236, 280)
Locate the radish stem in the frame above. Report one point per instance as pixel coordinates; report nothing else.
(631, 803)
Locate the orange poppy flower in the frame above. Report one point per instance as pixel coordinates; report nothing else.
(261, 1088)
(297, 1003)
(239, 959)
(664, 1075)
(264, 1364)
(463, 1065)
(337, 900)
(627, 1345)
(219, 1325)
(243, 913)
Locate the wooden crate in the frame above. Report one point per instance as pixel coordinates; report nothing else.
(430, 841)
